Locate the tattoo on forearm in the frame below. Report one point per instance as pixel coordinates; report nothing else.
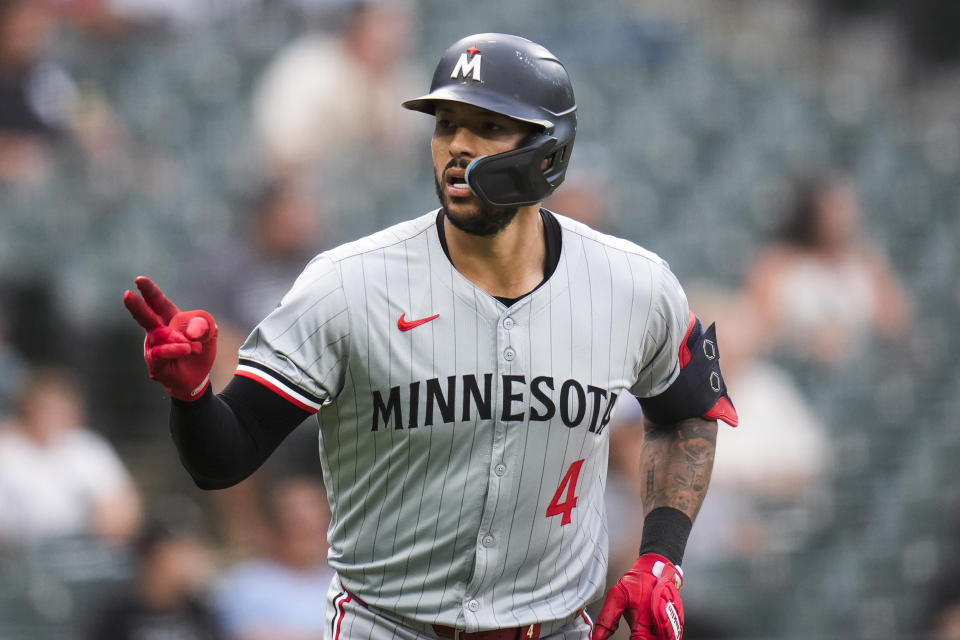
(677, 461)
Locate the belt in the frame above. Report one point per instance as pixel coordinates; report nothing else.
(529, 632)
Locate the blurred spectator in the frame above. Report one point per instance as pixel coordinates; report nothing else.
(748, 480)
(58, 478)
(173, 14)
(37, 96)
(624, 504)
(768, 491)
(12, 372)
(105, 18)
(822, 289)
(283, 595)
(174, 565)
(770, 474)
(41, 105)
(325, 95)
(244, 279)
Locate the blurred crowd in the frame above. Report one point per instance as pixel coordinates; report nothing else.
(287, 138)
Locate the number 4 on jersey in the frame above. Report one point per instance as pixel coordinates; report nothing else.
(569, 486)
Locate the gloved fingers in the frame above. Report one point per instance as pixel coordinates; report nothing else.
(601, 633)
(668, 614)
(603, 630)
(669, 624)
(197, 328)
(664, 592)
(609, 618)
(170, 351)
(156, 299)
(164, 335)
(669, 628)
(141, 311)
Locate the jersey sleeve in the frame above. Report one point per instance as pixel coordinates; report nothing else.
(300, 350)
(669, 317)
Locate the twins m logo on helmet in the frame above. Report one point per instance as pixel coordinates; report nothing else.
(469, 63)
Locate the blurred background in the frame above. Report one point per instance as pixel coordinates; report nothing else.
(796, 162)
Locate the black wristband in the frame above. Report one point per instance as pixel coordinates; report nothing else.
(665, 531)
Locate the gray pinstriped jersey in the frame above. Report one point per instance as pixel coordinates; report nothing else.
(465, 458)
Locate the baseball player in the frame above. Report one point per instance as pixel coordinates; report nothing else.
(463, 367)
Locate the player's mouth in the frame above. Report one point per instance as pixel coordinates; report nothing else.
(455, 183)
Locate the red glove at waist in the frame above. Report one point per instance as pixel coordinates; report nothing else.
(180, 346)
(648, 596)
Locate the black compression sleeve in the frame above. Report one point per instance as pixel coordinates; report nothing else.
(224, 438)
(665, 531)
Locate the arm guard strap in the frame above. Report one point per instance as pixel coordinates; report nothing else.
(699, 389)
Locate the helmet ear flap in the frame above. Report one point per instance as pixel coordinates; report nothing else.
(515, 178)
(556, 169)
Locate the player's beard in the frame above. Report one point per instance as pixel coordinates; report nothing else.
(483, 220)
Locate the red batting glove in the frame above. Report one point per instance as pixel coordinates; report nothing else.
(180, 345)
(648, 596)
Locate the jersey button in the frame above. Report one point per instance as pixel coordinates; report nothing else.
(487, 541)
(473, 605)
(509, 354)
(508, 323)
(500, 469)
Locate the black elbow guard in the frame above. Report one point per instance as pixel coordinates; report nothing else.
(699, 389)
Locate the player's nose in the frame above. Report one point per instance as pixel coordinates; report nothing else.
(463, 143)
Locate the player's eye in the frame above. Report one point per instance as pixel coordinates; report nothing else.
(443, 123)
(489, 125)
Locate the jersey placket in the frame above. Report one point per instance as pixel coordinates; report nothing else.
(489, 554)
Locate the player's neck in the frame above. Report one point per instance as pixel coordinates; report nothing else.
(509, 264)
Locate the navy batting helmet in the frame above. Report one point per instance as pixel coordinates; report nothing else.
(520, 79)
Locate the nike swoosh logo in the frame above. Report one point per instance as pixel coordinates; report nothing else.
(406, 325)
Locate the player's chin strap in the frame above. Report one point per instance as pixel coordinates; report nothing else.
(515, 178)
(699, 389)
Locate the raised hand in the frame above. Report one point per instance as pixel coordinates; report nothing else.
(180, 346)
